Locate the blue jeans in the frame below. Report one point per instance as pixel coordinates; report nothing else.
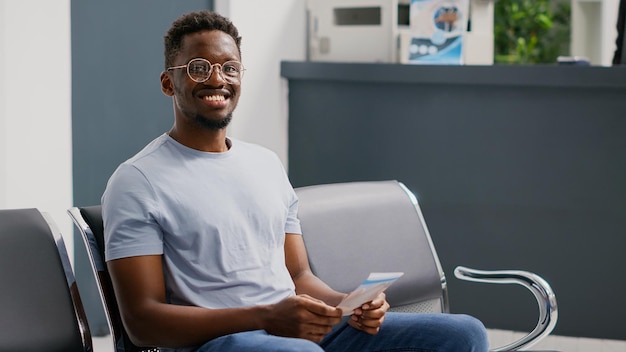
(400, 332)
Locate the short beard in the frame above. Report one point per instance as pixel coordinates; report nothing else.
(211, 124)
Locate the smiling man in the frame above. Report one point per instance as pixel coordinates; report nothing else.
(203, 242)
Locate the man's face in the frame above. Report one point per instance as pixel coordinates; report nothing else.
(208, 104)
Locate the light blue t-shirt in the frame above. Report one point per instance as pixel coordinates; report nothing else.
(218, 219)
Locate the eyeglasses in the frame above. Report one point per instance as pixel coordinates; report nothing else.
(200, 70)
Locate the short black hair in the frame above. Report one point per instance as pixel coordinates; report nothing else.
(195, 22)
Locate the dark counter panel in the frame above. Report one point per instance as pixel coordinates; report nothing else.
(516, 167)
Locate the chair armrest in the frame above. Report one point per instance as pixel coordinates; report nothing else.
(548, 312)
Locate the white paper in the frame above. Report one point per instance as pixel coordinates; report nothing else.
(367, 291)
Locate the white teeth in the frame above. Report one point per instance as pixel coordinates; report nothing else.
(214, 97)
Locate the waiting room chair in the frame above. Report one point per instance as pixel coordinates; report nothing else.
(40, 307)
(88, 220)
(352, 229)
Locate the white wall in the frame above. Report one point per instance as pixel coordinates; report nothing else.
(35, 108)
(272, 30)
(3, 110)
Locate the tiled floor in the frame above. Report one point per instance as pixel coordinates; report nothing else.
(559, 343)
(497, 338)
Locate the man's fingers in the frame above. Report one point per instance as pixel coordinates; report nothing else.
(319, 307)
(311, 298)
(377, 302)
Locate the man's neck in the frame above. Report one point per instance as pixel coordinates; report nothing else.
(207, 141)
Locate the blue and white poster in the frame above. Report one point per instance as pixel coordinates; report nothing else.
(437, 31)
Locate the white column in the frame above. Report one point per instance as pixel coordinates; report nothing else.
(3, 109)
(272, 30)
(593, 30)
(35, 108)
(479, 42)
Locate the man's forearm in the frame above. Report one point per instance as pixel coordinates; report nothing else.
(167, 325)
(309, 284)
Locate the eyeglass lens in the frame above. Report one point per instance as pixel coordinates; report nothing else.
(200, 70)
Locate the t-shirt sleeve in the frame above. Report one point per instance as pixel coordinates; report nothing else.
(293, 223)
(130, 216)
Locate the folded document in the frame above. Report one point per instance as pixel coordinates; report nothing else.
(367, 291)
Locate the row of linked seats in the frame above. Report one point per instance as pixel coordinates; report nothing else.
(40, 304)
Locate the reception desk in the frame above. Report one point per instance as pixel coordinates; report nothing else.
(516, 167)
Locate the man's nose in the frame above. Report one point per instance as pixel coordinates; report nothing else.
(216, 75)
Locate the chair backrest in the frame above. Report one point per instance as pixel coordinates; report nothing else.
(352, 229)
(88, 220)
(40, 307)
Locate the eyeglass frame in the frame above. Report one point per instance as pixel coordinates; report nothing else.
(211, 65)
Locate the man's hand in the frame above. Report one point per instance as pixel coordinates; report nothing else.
(370, 316)
(301, 316)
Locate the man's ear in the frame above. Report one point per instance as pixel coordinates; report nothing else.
(167, 86)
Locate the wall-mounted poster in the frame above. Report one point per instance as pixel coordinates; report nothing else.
(437, 31)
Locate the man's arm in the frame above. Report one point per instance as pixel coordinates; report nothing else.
(306, 282)
(150, 321)
(140, 291)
